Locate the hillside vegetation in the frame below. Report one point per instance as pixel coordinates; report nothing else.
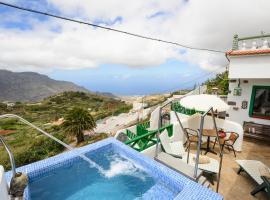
(28, 145)
(221, 82)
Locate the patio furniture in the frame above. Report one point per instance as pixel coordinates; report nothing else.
(182, 167)
(252, 168)
(228, 141)
(175, 149)
(211, 167)
(209, 133)
(203, 102)
(257, 131)
(192, 137)
(177, 164)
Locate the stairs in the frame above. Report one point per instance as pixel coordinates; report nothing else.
(204, 182)
(183, 168)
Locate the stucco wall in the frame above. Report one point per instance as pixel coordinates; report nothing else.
(3, 185)
(242, 115)
(256, 66)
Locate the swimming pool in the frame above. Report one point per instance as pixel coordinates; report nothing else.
(127, 175)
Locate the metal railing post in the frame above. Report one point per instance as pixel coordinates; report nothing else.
(158, 132)
(11, 157)
(198, 147)
(199, 143)
(184, 131)
(220, 152)
(159, 124)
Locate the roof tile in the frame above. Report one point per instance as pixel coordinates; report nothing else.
(247, 52)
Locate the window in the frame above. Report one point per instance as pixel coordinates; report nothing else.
(260, 102)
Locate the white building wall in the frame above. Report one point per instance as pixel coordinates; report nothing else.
(3, 185)
(255, 66)
(138, 106)
(242, 115)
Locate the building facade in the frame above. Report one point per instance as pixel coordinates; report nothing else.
(249, 87)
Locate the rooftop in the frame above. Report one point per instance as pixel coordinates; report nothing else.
(250, 45)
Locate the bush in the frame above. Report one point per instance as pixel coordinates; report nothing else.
(97, 137)
(3, 107)
(124, 109)
(35, 108)
(8, 124)
(42, 148)
(57, 100)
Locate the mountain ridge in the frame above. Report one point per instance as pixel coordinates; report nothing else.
(32, 86)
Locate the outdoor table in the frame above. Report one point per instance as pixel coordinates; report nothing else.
(209, 133)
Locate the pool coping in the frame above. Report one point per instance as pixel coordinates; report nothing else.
(190, 190)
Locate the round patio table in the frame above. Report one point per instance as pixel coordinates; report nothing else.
(209, 133)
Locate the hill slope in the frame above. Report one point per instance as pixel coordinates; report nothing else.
(221, 81)
(31, 86)
(28, 145)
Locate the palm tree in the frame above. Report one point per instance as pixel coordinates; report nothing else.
(76, 121)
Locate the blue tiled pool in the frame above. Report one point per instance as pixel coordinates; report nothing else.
(128, 175)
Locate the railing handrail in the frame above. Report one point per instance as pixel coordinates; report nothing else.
(53, 138)
(11, 157)
(169, 102)
(147, 134)
(35, 127)
(253, 37)
(199, 144)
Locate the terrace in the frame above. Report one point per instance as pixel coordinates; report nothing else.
(231, 184)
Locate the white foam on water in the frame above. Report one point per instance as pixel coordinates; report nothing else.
(123, 166)
(119, 165)
(93, 164)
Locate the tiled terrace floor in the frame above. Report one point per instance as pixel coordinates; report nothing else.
(238, 187)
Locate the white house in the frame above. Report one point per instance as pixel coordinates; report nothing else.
(139, 106)
(249, 87)
(9, 104)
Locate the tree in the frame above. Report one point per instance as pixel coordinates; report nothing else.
(76, 121)
(221, 81)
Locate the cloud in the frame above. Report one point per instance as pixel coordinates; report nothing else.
(49, 44)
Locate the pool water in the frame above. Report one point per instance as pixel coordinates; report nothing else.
(122, 180)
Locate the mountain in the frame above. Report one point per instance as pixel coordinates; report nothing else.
(31, 86)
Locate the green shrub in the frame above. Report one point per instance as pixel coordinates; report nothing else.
(34, 108)
(8, 124)
(97, 137)
(41, 148)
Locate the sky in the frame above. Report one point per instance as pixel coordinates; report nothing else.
(106, 61)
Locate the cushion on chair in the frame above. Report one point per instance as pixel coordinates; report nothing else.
(233, 136)
(229, 142)
(193, 138)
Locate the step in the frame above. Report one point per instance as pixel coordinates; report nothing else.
(178, 165)
(204, 182)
